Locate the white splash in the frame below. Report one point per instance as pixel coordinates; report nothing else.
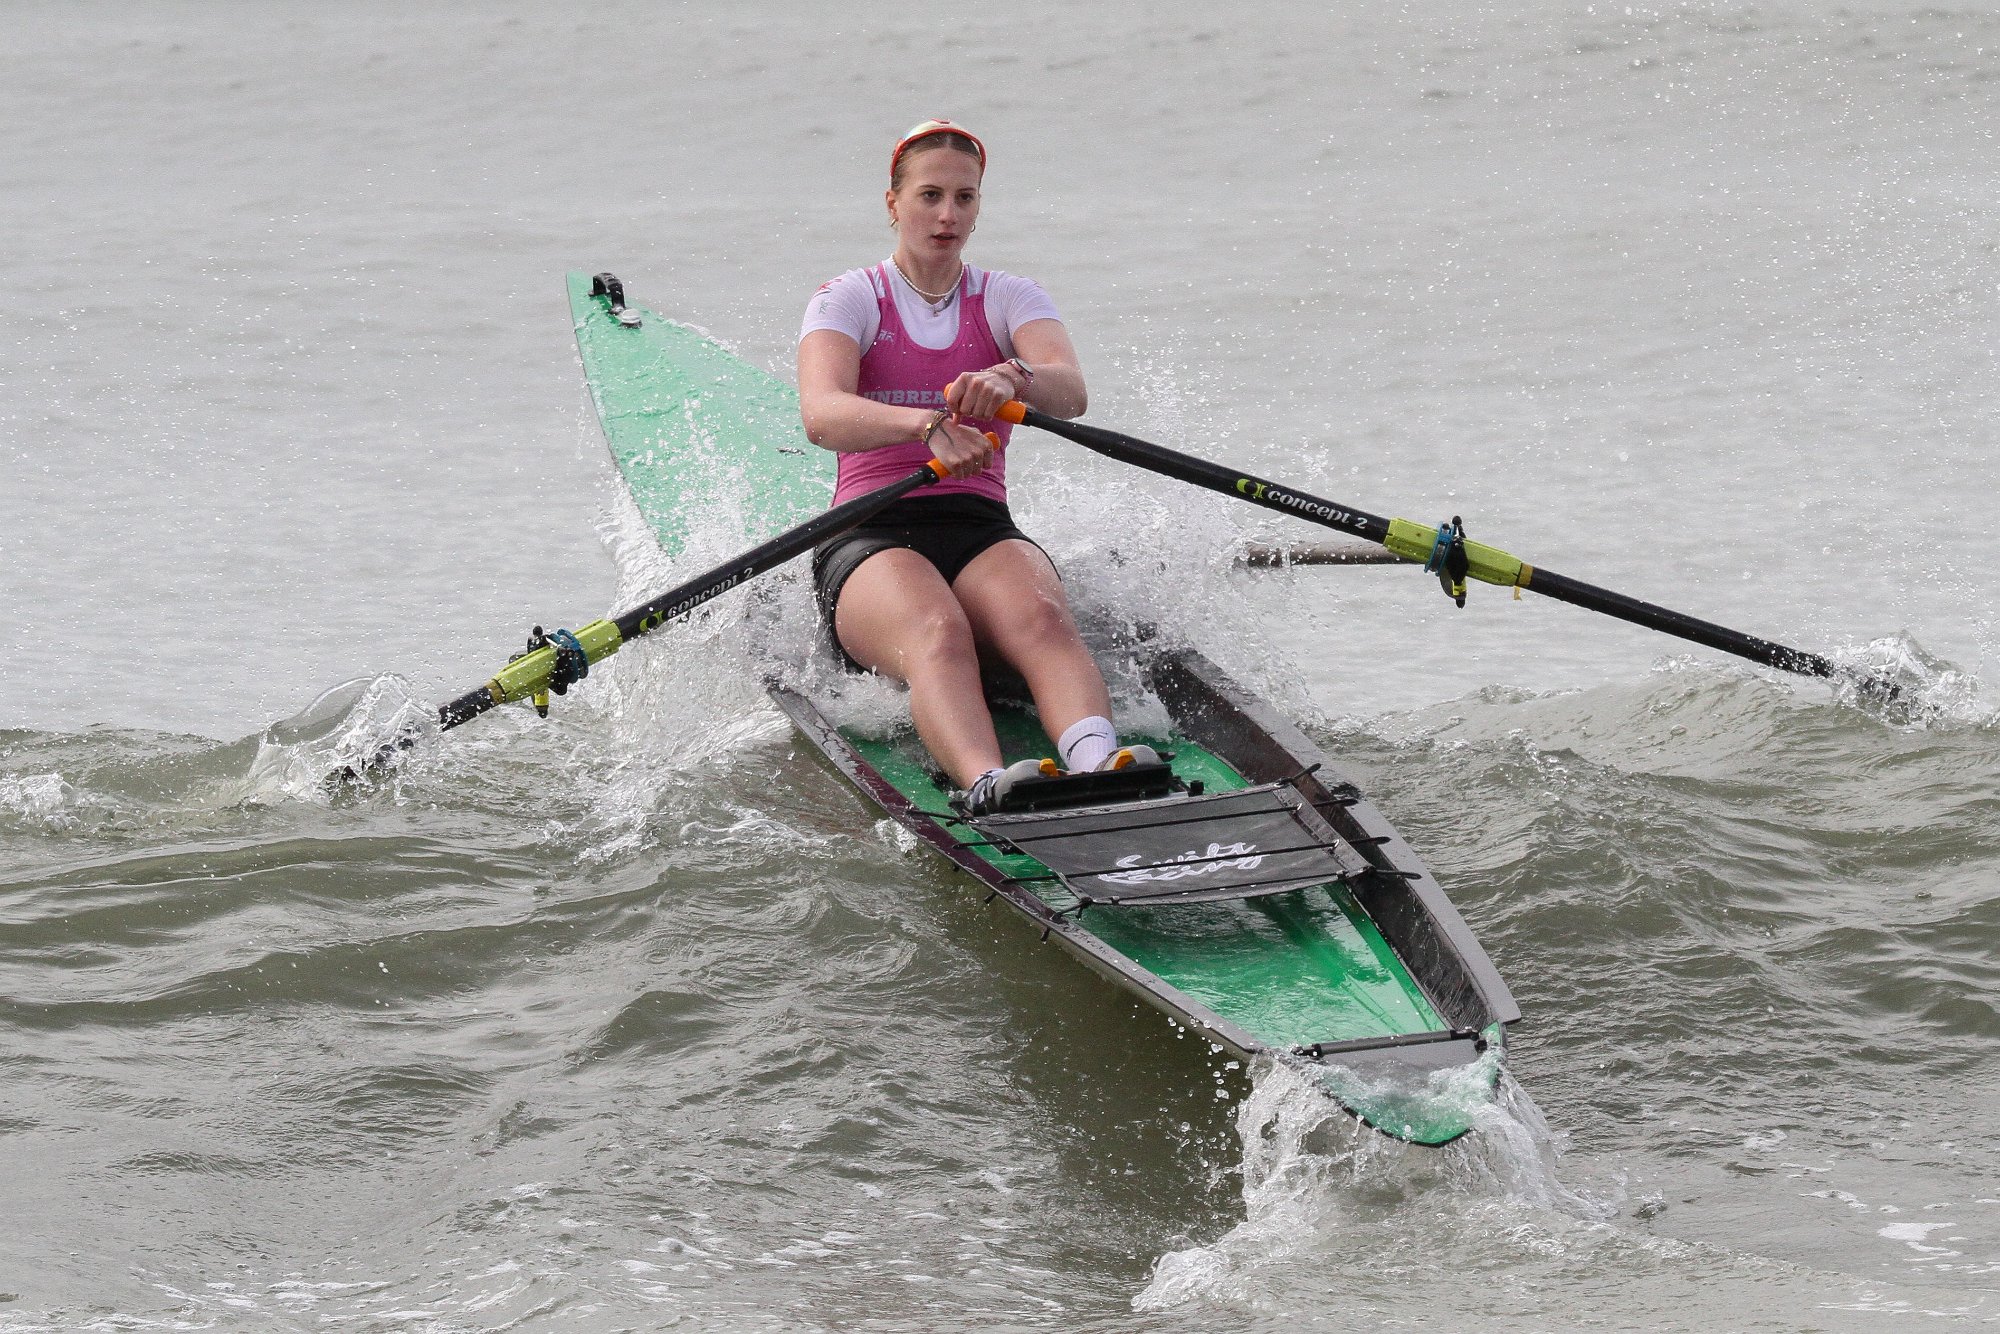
(1317, 1185)
(363, 729)
(1901, 683)
(37, 798)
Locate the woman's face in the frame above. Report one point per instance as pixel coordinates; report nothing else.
(938, 202)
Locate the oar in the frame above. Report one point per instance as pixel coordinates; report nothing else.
(1269, 556)
(565, 658)
(556, 662)
(1443, 549)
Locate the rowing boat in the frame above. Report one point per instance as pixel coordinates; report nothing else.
(1252, 894)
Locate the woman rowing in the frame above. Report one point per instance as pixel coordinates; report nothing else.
(910, 360)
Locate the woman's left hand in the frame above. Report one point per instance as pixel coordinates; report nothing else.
(980, 393)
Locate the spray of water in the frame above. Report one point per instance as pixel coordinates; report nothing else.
(1320, 1188)
(1923, 692)
(37, 800)
(358, 734)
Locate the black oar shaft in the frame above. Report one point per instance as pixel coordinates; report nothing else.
(1200, 472)
(1769, 652)
(766, 555)
(1488, 563)
(600, 639)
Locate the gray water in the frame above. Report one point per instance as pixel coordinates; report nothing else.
(637, 1019)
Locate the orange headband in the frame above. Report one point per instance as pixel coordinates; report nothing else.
(925, 131)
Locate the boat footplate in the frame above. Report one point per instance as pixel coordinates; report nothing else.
(1182, 848)
(1135, 782)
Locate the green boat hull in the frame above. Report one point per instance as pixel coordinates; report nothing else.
(1376, 988)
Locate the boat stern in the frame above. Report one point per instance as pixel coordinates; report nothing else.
(1423, 1088)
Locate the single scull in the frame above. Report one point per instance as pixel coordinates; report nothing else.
(1258, 898)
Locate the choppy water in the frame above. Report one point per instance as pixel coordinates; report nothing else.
(639, 1020)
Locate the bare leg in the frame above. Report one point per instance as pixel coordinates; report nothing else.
(897, 616)
(1015, 605)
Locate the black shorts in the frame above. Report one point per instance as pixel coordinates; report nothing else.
(948, 531)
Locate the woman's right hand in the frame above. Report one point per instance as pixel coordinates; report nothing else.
(963, 450)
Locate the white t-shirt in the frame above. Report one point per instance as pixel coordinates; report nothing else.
(848, 305)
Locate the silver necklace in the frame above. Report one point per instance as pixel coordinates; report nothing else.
(932, 297)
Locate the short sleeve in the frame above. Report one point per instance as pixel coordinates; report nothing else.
(846, 305)
(1012, 301)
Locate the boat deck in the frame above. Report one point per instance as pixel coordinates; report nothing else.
(1290, 969)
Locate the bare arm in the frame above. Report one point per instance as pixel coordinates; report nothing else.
(1057, 387)
(837, 417)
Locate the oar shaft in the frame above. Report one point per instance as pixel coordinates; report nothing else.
(1412, 541)
(1264, 556)
(531, 673)
(1769, 652)
(1200, 472)
(786, 545)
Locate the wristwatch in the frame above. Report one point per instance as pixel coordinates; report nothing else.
(1027, 374)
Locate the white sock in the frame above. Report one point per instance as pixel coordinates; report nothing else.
(990, 773)
(1086, 743)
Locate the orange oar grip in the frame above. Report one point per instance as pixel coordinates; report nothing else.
(1013, 410)
(942, 472)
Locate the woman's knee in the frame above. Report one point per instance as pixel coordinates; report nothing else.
(938, 637)
(1037, 619)
(925, 642)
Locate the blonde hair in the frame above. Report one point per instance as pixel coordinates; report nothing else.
(942, 139)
